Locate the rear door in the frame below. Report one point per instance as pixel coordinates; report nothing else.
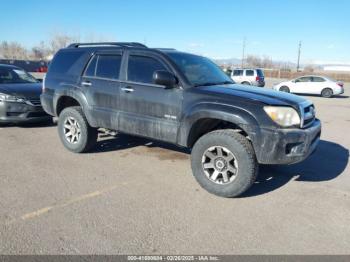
(148, 109)
(318, 84)
(101, 85)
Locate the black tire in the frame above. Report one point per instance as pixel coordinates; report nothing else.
(327, 92)
(241, 148)
(88, 134)
(246, 83)
(285, 89)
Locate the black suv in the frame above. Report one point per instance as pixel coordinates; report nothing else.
(182, 99)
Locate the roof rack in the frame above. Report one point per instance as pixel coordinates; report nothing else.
(120, 44)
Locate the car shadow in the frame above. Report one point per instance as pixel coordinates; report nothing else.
(327, 162)
(48, 123)
(333, 97)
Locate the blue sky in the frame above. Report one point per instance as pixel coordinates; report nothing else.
(208, 27)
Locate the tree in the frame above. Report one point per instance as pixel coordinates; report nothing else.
(13, 50)
(40, 52)
(60, 40)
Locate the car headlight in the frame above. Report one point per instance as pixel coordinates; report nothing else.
(9, 98)
(282, 115)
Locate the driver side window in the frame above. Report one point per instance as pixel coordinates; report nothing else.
(303, 80)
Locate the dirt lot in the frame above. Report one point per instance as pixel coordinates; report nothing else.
(132, 196)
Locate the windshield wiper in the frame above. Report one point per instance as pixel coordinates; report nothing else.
(214, 83)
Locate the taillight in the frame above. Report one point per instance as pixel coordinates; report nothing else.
(340, 84)
(257, 78)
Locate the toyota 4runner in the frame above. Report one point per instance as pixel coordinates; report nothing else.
(180, 98)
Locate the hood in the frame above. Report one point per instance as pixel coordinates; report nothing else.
(27, 90)
(262, 95)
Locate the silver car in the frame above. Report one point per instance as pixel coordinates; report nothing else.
(248, 76)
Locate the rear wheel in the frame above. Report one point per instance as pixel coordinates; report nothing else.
(246, 83)
(75, 132)
(285, 89)
(224, 163)
(327, 92)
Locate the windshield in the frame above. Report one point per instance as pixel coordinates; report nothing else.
(200, 70)
(10, 75)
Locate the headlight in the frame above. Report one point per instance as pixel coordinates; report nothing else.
(284, 116)
(9, 98)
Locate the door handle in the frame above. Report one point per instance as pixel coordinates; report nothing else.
(127, 89)
(86, 83)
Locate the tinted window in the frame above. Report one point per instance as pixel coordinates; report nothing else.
(141, 68)
(249, 72)
(108, 66)
(238, 72)
(318, 79)
(64, 61)
(303, 79)
(260, 72)
(90, 70)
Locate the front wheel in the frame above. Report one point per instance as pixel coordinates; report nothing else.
(74, 131)
(224, 163)
(285, 89)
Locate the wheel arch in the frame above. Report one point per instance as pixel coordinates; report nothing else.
(215, 117)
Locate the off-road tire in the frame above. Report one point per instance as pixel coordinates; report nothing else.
(244, 153)
(88, 134)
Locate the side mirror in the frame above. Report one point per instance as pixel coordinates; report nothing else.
(164, 78)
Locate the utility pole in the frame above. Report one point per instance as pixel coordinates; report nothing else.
(299, 51)
(243, 51)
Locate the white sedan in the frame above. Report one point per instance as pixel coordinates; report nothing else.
(318, 85)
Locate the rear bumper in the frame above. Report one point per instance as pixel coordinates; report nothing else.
(47, 103)
(13, 112)
(287, 146)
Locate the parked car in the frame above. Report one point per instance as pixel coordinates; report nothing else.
(19, 96)
(318, 85)
(248, 76)
(179, 98)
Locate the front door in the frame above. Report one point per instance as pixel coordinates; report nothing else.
(148, 109)
(302, 85)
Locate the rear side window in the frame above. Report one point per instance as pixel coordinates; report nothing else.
(318, 79)
(141, 68)
(65, 61)
(238, 72)
(260, 72)
(249, 72)
(108, 66)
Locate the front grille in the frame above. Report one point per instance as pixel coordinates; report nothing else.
(308, 116)
(34, 101)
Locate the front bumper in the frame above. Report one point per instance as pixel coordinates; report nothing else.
(287, 146)
(14, 112)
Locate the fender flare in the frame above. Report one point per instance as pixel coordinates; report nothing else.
(235, 115)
